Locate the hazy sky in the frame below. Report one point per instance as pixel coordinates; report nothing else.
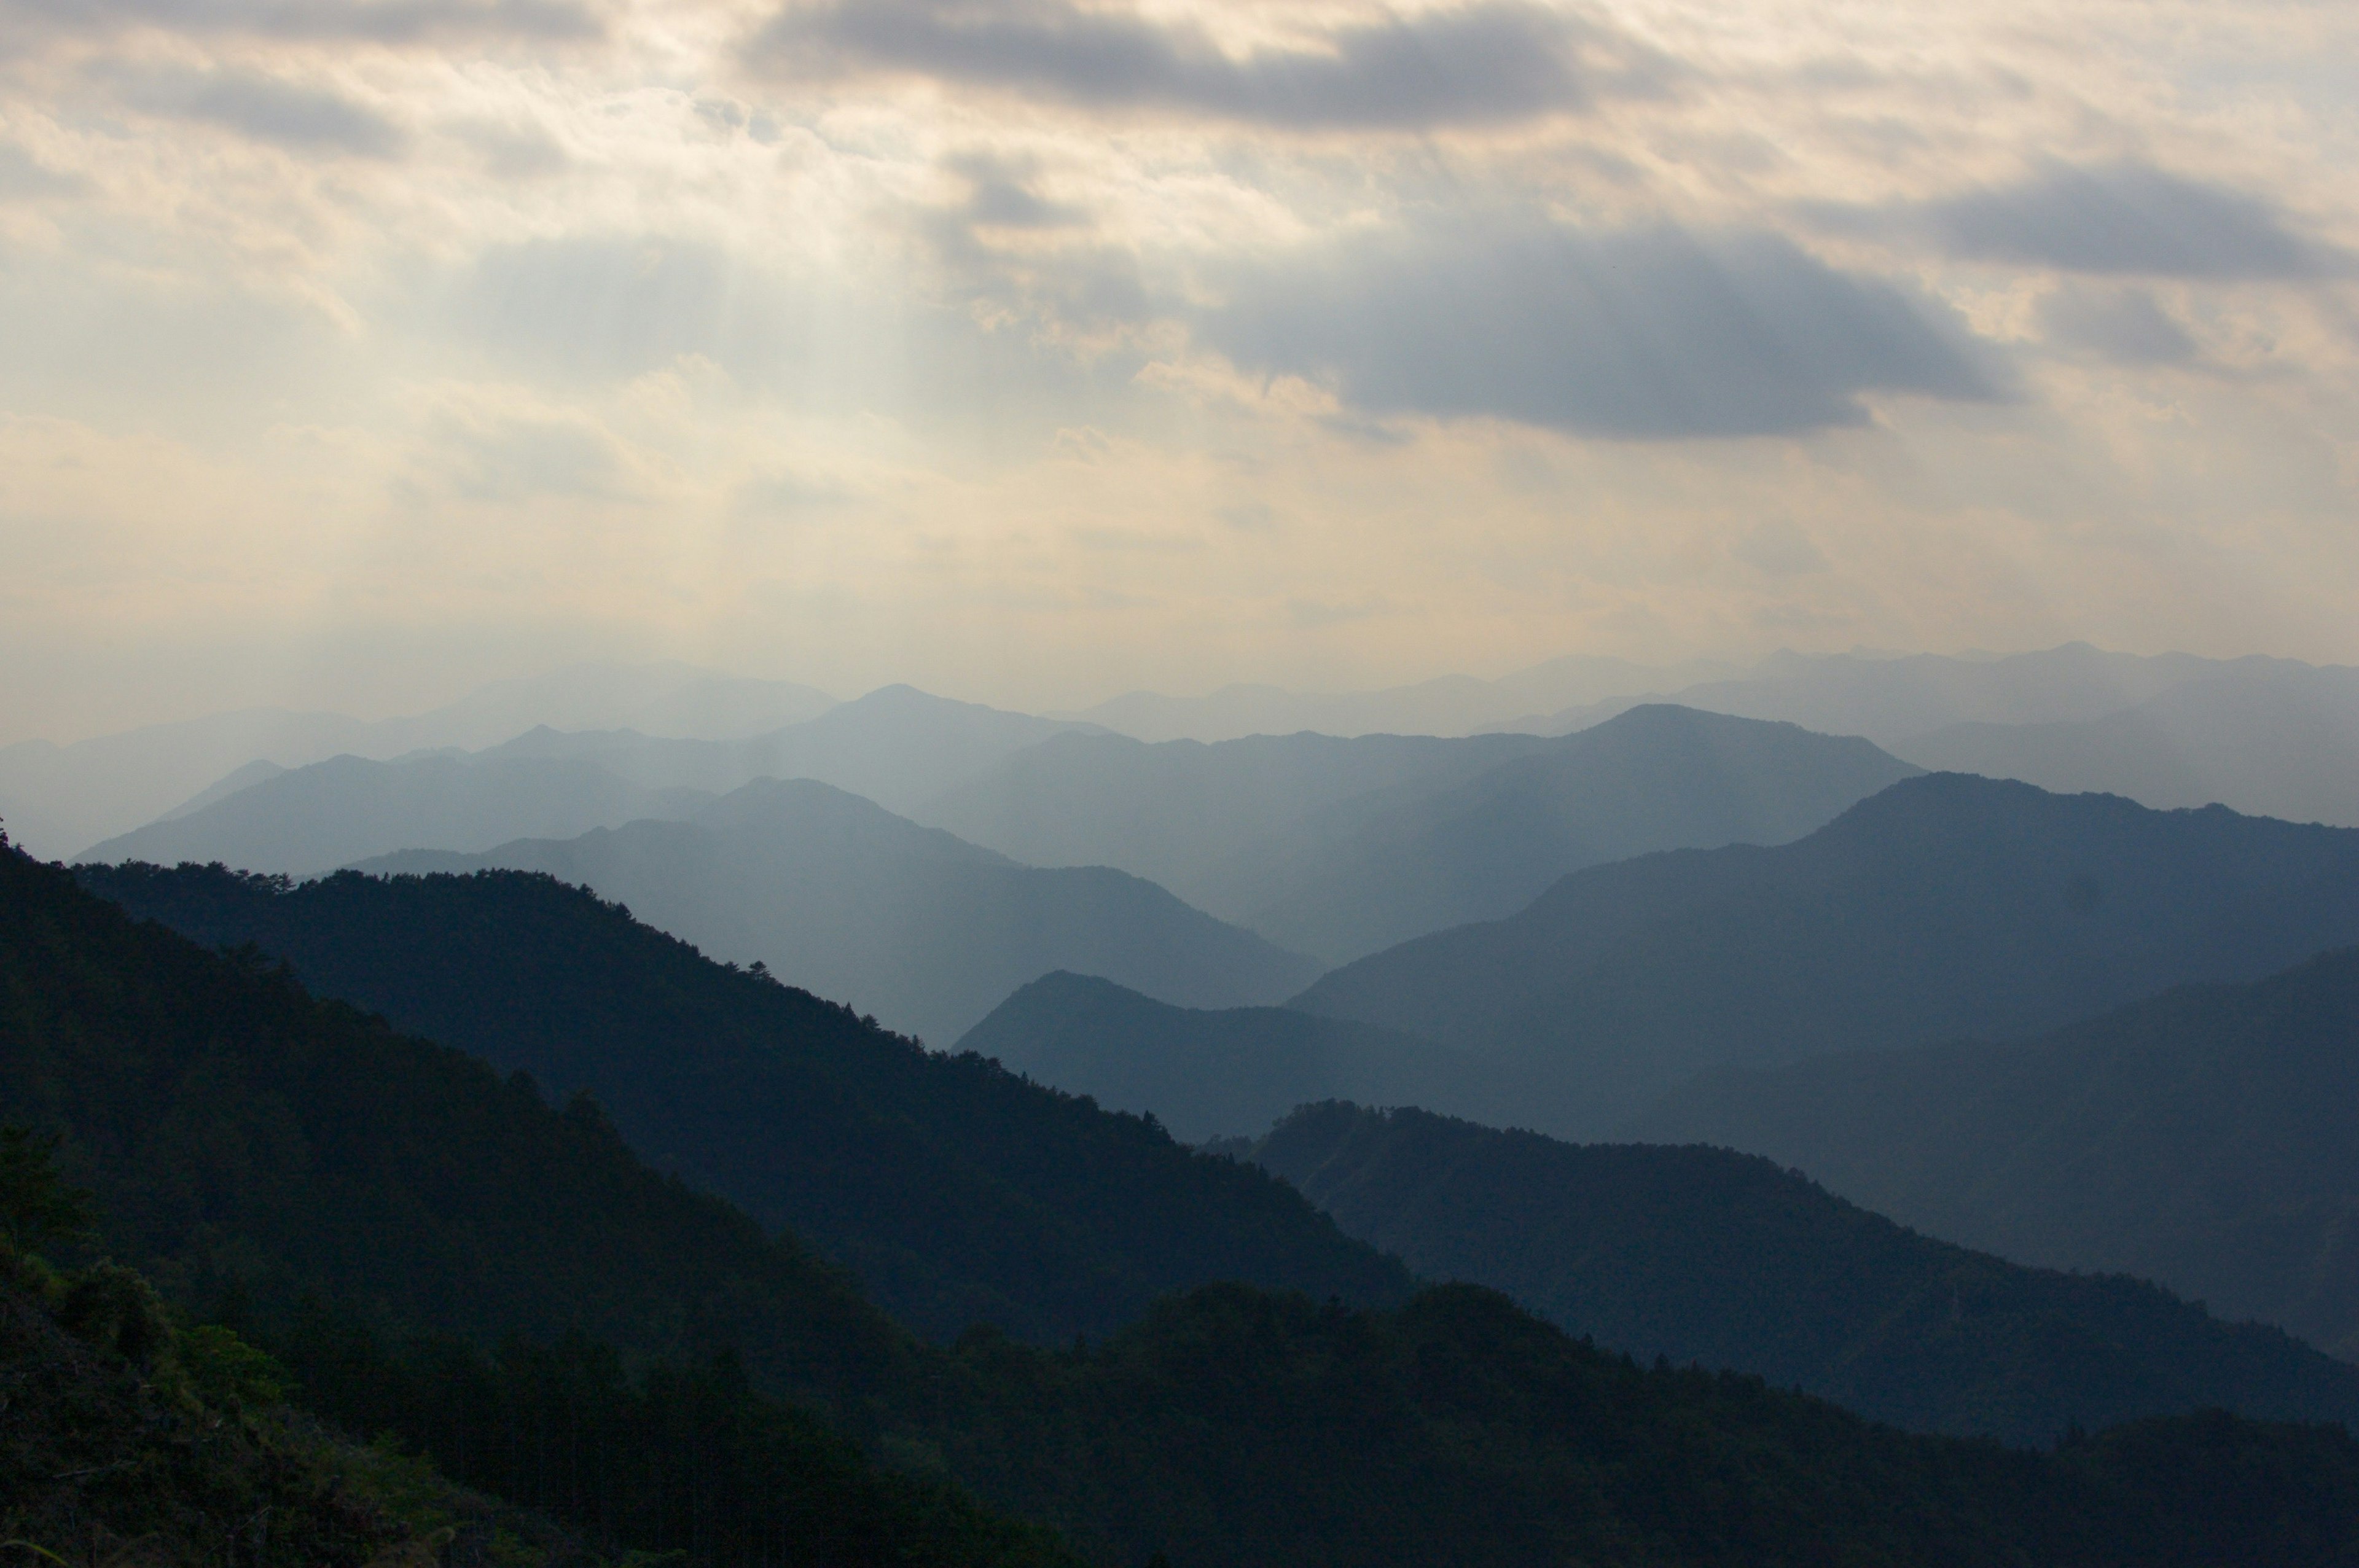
(1032, 349)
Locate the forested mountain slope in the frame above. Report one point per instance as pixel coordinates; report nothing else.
(1707, 1256)
(1340, 847)
(924, 931)
(955, 1189)
(2201, 1138)
(328, 1157)
(1208, 1073)
(1947, 906)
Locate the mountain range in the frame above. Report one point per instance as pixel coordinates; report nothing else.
(2200, 1138)
(1946, 906)
(1341, 847)
(376, 1208)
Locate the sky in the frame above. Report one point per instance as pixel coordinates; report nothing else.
(357, 351)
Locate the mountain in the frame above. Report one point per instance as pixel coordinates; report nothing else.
(1946, 906)
(2272, 742)
(1342, 846)
(310, 819)
(956, 1191)
(2200, 1138)
(1891, 698)
(1706, 1256)
(1448, 705)
(897, 746)
(1207, 1073)
(922, 929)
(57, 799)
(1655, 777)
(256, 1147)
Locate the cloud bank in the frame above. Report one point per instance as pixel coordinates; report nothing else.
(1653, 333)
(1481, 64)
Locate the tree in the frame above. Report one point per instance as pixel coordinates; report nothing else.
(35, 1206)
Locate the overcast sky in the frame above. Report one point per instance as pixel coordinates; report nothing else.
(358, 350)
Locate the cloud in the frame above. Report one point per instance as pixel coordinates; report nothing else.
(381, 21)
(2123, 325)
(306, 119)
(2124, 220)
(1498, 62)
(24, 177)
(1648, 333)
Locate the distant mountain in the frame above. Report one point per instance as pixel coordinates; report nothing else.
(59, 799)
(1706, 1256)
(897, 746)
(2201, 1138)
(926, 931)
(1340, 847)
(1655, 777)
(1946, 906)
(1213, 1073)
(1892, 698)
(306, 820)
(2273, 743)
(1448, 704)
(957, 1192)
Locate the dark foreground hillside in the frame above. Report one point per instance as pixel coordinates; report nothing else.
(1707, 1256)
(222, 1111)
(1945, 906)
(2201, 1138)
(956, 1191)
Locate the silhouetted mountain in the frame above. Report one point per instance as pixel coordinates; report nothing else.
(925, 930)
(958, 1191)
(1948, 905)
(2271, 742)
(253, 1136)
(1206, 1074)
(59, 798)
(315, 818)
(2201, 1138)
(1340, 847)
(1707, 1256)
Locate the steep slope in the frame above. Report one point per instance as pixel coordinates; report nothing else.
(1707, 1256)
(1340, 847)
(1655, 777)
(315, 818)
(1230, 1424)
(956, 1191)
(2201, 1138)
(924, 930)
(1205, 1073)
(1948, 905)
(2278, 743)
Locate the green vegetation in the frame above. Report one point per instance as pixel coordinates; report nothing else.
(1725, 1260)
(414, 1238)
(2201, 1138)
(956, 1191)
(1945, 907)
